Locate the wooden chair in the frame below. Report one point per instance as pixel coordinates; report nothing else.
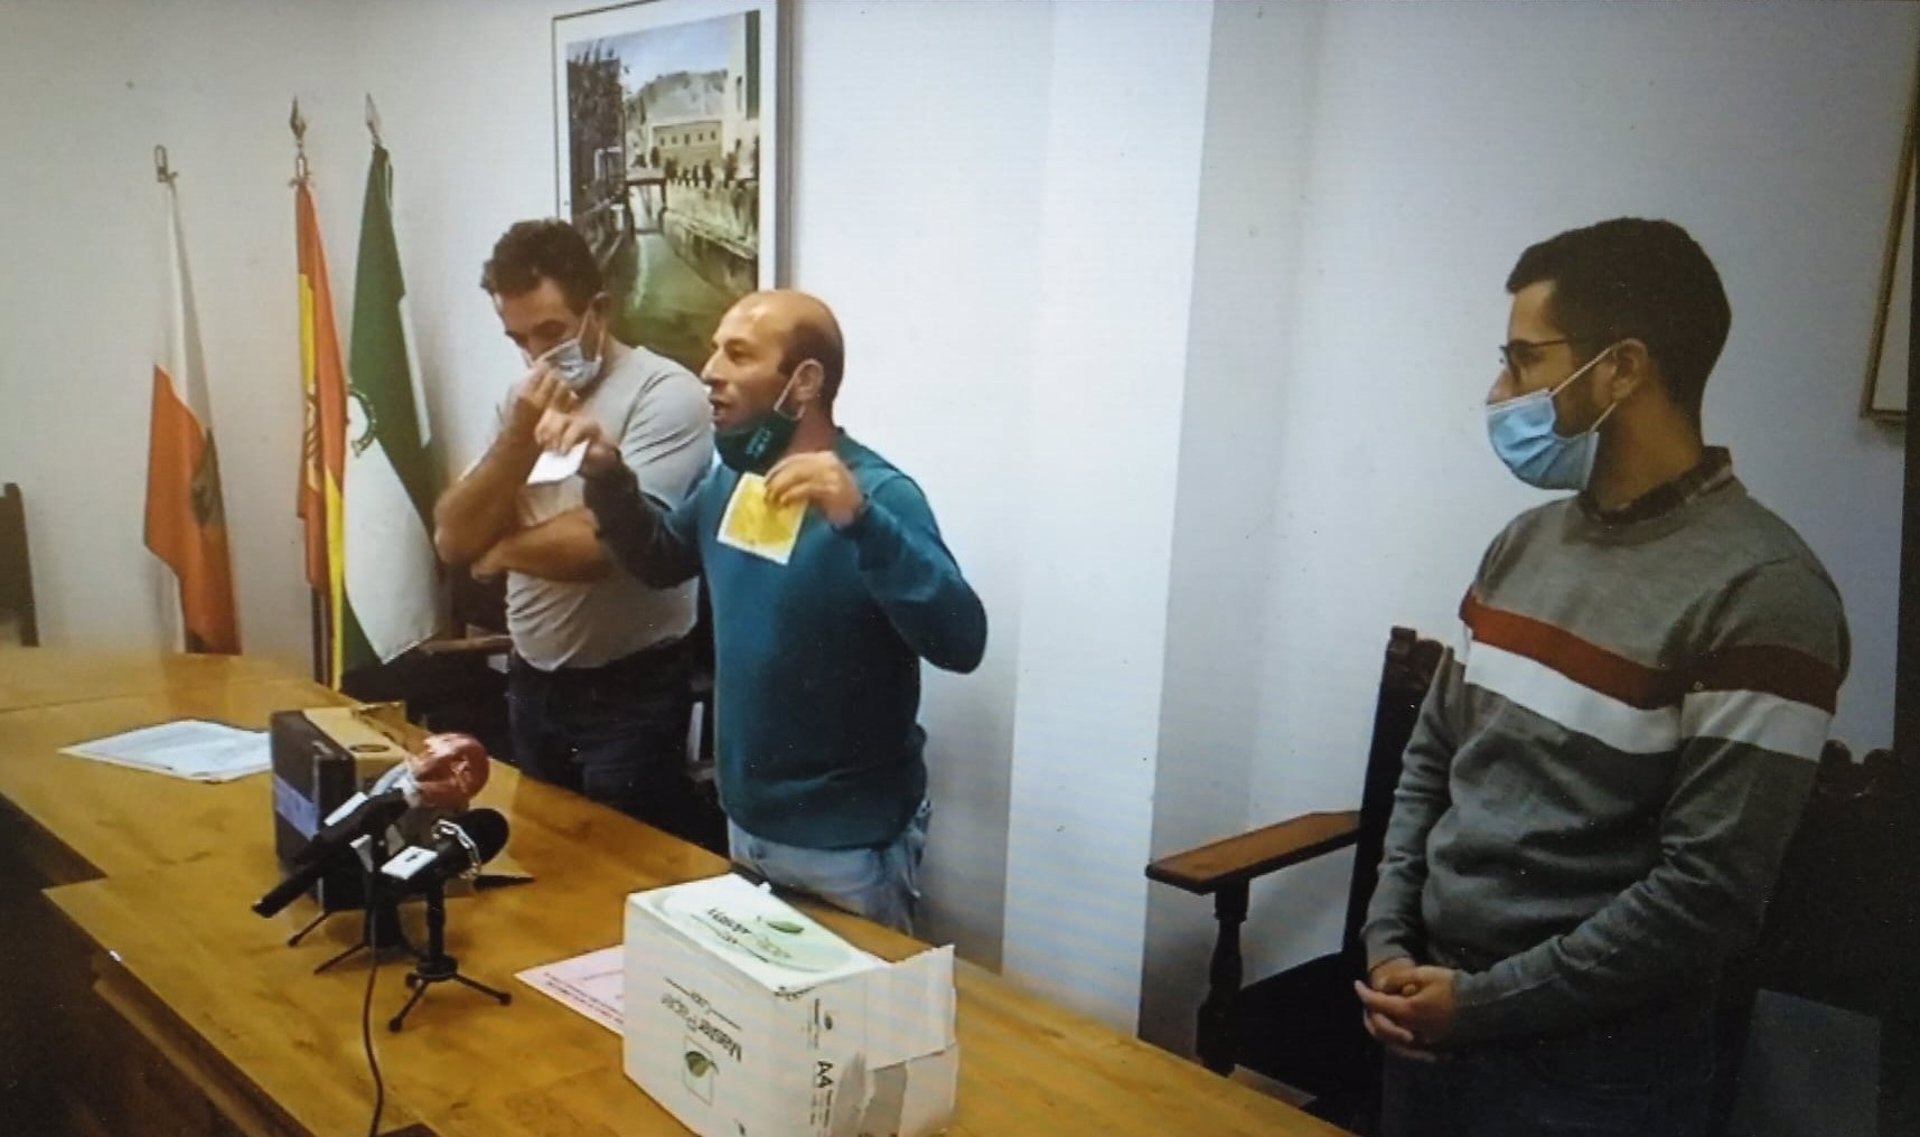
(452, 683)
(1830, 935)
(1836, 929)
(1302, 1026)
(16, 574)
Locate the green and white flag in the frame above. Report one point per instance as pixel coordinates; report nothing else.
(392, 575)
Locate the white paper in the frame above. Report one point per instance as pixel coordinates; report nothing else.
(553, 466)
(189, 748)
(593, 984)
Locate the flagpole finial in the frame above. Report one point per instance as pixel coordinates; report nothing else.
(298, 125)
(162, 172)
(373, 120)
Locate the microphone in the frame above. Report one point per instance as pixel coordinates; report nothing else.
(455, 846)
(449, 770)
(359, 816)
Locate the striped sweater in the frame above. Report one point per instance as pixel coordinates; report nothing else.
(1604, 777)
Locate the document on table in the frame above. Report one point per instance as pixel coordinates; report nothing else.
(189, 748)
(592, 984)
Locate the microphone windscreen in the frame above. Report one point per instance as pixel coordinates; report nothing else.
(486, 828)
(449, 770)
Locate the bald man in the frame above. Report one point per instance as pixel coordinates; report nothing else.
(830, 583)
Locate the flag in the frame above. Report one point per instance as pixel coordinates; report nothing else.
(186, 518)
(392, 573)
(323, 456)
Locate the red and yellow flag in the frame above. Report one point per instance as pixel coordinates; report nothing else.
(186, 519)
(323, 457)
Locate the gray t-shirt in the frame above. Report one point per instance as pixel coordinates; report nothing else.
(658, 412)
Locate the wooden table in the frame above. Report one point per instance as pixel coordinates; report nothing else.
(231, 1033)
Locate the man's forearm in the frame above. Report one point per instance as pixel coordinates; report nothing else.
(641, 535)
(1392, 928)
(565, 548)
(479, 510)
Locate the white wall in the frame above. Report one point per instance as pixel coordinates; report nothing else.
(1121, 205)
(86, 91)
(1254, 167)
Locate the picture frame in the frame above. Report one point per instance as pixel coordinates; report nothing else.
(1885, 397)
(670, 153)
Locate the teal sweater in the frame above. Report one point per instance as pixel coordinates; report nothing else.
(816, 662)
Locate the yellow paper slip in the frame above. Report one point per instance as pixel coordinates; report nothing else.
(755, 525)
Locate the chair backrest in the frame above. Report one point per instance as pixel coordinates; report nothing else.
(1404, 678)
(16, 573)
(478, 605)
(1831, 932)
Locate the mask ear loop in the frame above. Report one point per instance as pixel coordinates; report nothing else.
(1568, 382)
(600, 349)
(784, 392)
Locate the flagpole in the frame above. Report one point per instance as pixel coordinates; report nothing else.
(172, 615)
(318, 621)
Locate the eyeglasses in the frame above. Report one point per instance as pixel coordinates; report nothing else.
(1517, 354)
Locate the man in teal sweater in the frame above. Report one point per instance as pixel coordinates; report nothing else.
(1604, 777)
(829, 584)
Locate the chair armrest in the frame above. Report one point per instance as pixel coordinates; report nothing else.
(483, 645)
(1210, 867)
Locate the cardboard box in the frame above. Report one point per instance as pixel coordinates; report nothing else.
(745, 1018)
(321, 757)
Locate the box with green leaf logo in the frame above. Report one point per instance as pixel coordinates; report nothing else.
(745, 1017)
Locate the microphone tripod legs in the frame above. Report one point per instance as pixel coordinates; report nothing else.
(387, 934)
(435, 965)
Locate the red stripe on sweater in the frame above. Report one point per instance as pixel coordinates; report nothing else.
(1591, 666)
(1782, 671)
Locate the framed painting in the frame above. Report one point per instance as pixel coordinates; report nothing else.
(669, 145)
(1886, 393)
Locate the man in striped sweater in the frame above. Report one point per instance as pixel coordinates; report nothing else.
(1603, 779)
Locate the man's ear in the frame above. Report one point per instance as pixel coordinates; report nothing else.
(809, 382)
(1632, 368)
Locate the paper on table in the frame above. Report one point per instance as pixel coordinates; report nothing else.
(189, 748)
(553, 466)
(593, 984)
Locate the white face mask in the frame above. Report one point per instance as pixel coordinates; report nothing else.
(569, 361)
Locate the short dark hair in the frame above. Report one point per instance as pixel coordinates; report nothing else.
(820, 341)
(532, 251)
(1631, 278)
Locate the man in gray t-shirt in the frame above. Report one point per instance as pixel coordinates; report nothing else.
(598, 687)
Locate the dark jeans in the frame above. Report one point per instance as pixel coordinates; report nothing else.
(615, 733)
(1648, 1075)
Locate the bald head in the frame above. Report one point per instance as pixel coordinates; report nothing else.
(803, 326)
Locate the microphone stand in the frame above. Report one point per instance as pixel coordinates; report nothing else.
(382, 931)
(435, 965)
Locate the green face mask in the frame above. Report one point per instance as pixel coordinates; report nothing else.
(756, 444)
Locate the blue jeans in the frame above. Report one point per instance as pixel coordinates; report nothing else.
(880, 882)
(1647, 1075)
(615, 733)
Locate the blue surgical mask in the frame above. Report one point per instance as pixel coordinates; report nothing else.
(569, 361)
(1523, 435)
